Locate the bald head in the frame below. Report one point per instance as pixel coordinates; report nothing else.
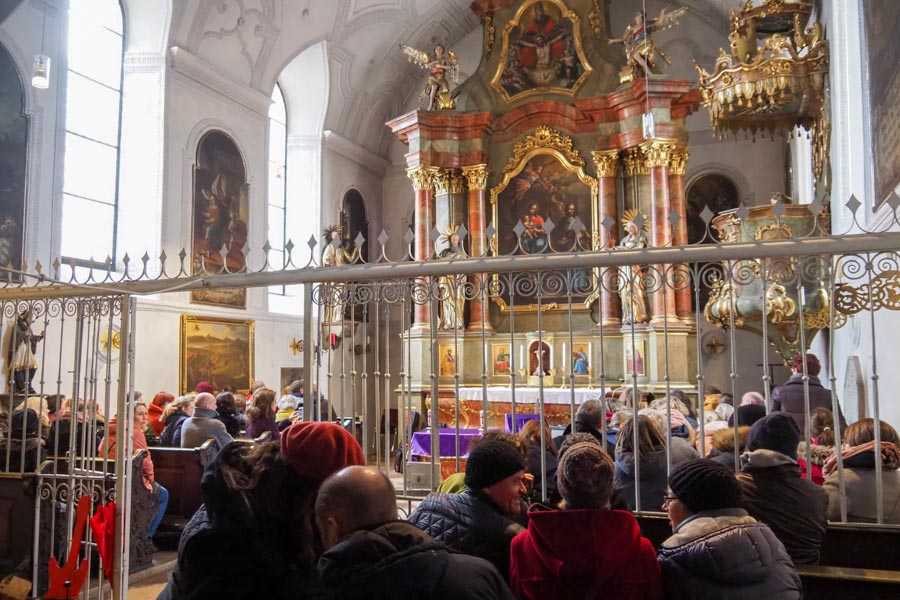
(352, 499)
(205, 400)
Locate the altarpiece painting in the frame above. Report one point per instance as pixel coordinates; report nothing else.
(882, 18)
(542, 52)
(13, 153)
(220, 216)
(216, 350)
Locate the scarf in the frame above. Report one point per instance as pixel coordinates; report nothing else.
(890, 456)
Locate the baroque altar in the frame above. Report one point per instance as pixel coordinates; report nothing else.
(559, 142)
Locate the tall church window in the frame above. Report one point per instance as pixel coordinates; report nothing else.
(93, 119)
(279, 297)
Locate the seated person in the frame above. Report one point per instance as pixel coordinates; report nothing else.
(174, 416)
(227, 412)
(62, 439)
(25, 443)
(107, 450)
(722, 450)
(204, 424)
(773, 492)
(155, 410)
(370, 555)
(483, 519)
(530, 436)
(585, 550)
(717, 550)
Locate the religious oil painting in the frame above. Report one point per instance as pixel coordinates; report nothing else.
(13, 150)
(635, 360)
(882, 17)
(542, 52)
(220, 216)
(581, 358)
(447, 360)
(500, 359)
(216, 350)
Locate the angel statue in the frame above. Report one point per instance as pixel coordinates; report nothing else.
(444, 63)
(640, 51)
(631, 282)
(452, 288)
(336, 255)
(22, 360)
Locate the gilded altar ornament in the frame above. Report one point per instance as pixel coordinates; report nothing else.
(336, 254)
(773, 79)
(490, 31)
(640, 49)
(632, 293)
(452, 287)
(443, 64)
(295, 346)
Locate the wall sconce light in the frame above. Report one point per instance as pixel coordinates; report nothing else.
(40, 72)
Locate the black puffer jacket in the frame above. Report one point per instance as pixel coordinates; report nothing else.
(398, 560)
(470, 523)
(171, 435)
(236, 547)
(727, 554)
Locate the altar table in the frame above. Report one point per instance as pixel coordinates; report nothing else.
(557, 405)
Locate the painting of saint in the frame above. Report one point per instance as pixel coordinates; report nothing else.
(500, 359)
(541, 51)
(634, 365)
(219, 351)
(581, 361)
(881, 18)
(13, 153)
(220, 216)
(446, 360)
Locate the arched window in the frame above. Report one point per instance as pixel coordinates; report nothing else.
(93, 118)
(280, 297)
(13, 159)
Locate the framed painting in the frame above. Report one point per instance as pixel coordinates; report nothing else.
(882, 18)
(546, 203)
(501, 360)
(541, 52)
(447, 360)
(636, 361)
(581, 358)
(216, 350)
(220, 216)
(289, 375)
(13, 167)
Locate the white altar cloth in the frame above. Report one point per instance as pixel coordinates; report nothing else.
(530, 395)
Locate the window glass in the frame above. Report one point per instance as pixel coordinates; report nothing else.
(279, 296)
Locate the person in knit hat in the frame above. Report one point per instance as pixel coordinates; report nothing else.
(774, 493)
(717, 550)
(255, 535)
(483, 519)
(602, 550)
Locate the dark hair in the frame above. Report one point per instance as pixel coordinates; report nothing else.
(812, 364)
(225, 404)
(863, 431)
(822, 426)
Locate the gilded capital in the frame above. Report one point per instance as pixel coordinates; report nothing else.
(678, 161)
(422, 178)
(606, 162)
(440, 179)
(636, 162)
(658, 153)
(476, 176)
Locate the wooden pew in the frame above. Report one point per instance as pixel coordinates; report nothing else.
(16, 520)
(849, 584)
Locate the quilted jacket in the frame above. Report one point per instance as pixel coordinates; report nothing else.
(470, 523)
(726, 554)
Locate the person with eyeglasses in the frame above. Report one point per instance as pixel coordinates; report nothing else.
(717, 550)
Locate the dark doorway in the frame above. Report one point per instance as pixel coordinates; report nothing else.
(354, 222)
(715, 191)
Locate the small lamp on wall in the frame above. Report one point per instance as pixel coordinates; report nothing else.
(40, 72)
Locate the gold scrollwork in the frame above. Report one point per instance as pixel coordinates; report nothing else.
(422, 177)
(475, 176)
(457, 182)
(635, 162)
(490, 32)
(678, 161)
(779, 306)
(773, 231)
(884, 291)
(544, 138)
(441, 181)
(606, 162)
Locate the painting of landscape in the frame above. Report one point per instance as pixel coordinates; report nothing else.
(216, 350)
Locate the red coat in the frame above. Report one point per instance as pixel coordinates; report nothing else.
(583, 554)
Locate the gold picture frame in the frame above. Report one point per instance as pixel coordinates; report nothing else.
(448, 359)
(501, 359)
(513, 25)
(545, 142)
(217, 350)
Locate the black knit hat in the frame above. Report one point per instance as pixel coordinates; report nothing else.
(492, 461)
(777, 432)
(703, 484)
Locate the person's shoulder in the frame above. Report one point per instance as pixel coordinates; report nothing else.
(473, 577)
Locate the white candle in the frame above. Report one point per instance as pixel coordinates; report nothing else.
(522, 356)
(565, 357)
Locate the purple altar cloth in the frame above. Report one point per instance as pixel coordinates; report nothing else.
(521, 419)
(421, 442)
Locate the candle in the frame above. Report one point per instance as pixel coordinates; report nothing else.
(565, 357)
(522, 356)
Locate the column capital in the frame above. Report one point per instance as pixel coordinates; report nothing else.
(440, 179)
(422, 177)
(678, 161)
(606, 162)
(635, 161)
(457, 182)
(475, 176)
(658, 153)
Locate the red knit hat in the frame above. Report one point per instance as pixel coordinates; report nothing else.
(317, 450)
(204, 386)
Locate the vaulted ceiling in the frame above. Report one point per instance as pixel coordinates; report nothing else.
(251, 41)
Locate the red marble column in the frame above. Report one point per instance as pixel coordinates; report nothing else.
(476, 181)
(658, 154)
(607, 165)
(423, 183)
(678, 202)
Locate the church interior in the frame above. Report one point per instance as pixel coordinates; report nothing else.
(428, 220)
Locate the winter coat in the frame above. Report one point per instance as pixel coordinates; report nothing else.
(773, 492)
(155, 417)
(171, 435)
(234, 423)
(726, 554)
(256, 427)
(61, 435)
(399, 560)
(583, 555)
(533, 466)
(468, 522)
(788, 398)
(108, 449)
(228, 551)
(581, 427)
(653, 473)
(859, 484)
(204, 425)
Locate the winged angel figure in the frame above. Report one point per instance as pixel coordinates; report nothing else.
(640, 51)
(440, 67)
